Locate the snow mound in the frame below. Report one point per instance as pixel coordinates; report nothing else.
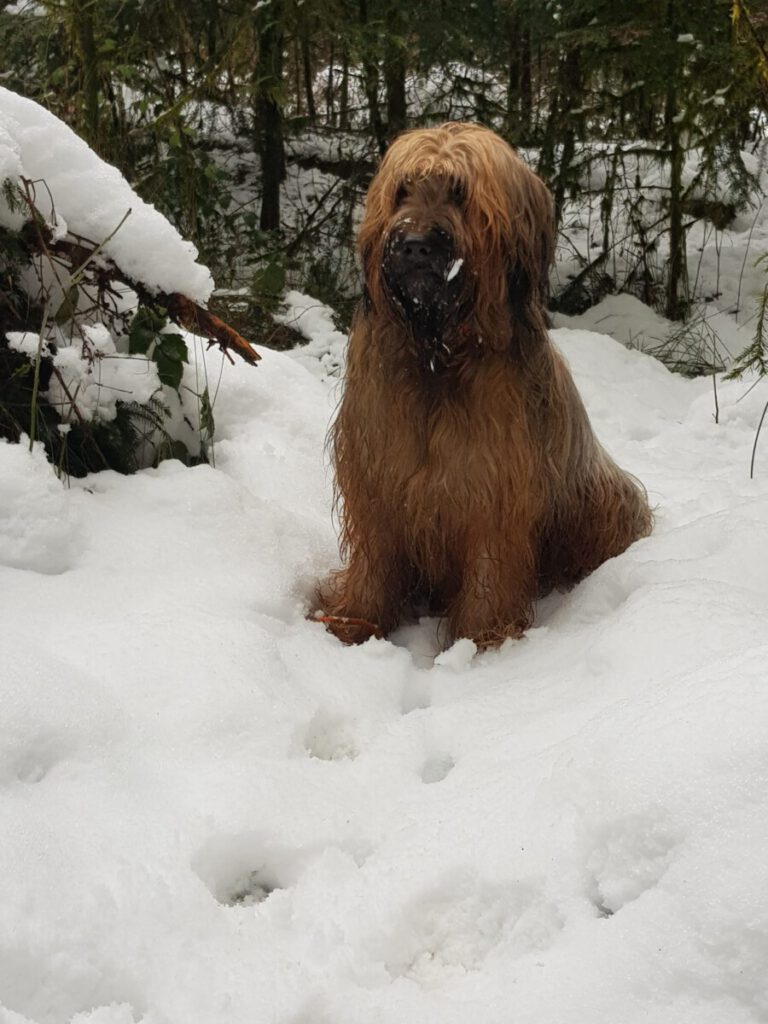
(91, 198)
(325, 353)
(37, 520)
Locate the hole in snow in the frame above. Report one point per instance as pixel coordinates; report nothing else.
(253, 887)
(35, 760)
(31, 770)
(417, 694)
(435, 769)
(330, 738)
(630, 857)
(243, 870)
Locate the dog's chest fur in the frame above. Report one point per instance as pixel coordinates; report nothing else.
(450, 461)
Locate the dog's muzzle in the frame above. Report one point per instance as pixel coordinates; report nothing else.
(426, 280)
(413, 256)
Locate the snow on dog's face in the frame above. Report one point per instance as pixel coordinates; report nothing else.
(422, 268)
(457, 230)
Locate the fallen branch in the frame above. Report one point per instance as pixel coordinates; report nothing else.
(201, 321)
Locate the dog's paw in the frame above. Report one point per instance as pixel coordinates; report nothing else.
(489, 639)
(348, 629)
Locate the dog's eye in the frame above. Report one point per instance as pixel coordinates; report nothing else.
(400, 195)
(458, 193)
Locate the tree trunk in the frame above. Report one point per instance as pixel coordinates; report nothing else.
(297, 82)
(269, 115)
(570, 88)
(86, 44)
(526, 91)
(306, 61)
(394, 78)
(371, 86)
(676, 304)
(514, 72)
(329, 111)
(518, 73)
(344, 92)
(371, 80)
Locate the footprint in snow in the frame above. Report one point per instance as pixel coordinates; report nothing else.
(244, 869)
(435, 769)
(630, 857)
(330, 737)
(37, 758)
(457, 927)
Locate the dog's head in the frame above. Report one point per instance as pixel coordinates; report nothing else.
(457, 230)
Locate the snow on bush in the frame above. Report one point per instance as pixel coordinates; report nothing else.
(104, 353)
(88, 197)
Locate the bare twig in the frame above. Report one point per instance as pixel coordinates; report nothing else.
(36, 380)
(754, 446)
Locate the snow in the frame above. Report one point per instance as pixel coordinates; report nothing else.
(35, 143)
(724, 268)
(212, 811)
(44, 541)
(314, 320)
(28, 343)
(454, 268)
(94, 377)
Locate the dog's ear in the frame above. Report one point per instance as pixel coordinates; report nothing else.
(518, 287)
(372, 278)
(532, 247)
(528, 280)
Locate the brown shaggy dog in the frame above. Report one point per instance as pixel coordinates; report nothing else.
(469, 479)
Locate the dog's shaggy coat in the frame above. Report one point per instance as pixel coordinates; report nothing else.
(469, 479)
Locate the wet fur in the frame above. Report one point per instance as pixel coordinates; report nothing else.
(475, 485)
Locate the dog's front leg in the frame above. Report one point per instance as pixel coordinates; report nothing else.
(497, 592)
(365, 598)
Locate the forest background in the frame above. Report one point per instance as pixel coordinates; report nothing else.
(255, 127)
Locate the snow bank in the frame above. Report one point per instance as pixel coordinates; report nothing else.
(91, 198)
(38, 528)
(327, 345)
(214, 812)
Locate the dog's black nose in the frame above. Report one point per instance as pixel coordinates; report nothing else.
(430, 251)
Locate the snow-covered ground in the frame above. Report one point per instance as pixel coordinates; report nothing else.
(213, 813)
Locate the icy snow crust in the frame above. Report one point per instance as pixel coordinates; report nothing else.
(214, 813)
(95, 197)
